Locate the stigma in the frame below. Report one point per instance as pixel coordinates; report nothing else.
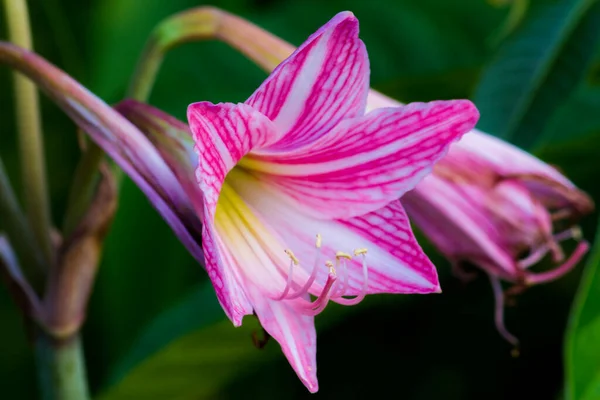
(336, 282)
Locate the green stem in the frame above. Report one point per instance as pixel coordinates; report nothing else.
(86, 173)
(61, 368)
(21, 237)
(83, 186)
(145, 73)
(30, 134)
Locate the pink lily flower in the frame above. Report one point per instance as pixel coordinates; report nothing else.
(493, 205)
(299, 174)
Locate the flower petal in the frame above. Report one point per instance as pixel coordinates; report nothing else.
(294, 331)
(223, 134)
(396, 262)
(366, 162)
(173, 140)
(222, 272)
(544, 181)
(458, 224)
(323, 82)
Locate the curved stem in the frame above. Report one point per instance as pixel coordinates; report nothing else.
(61, 368)
(30, 135)
(15, 224)
(205, 23)
(144, 76)
(83, 186)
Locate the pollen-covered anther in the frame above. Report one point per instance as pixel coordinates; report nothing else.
(358, 252)
(341, 254)
(576, 233)
(292, 256)
(331, 267)
(365, 284)
(294, 261)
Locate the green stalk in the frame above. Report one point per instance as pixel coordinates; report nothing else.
(31, 144)
(144, 76)
(61, 368)
(14, 223)
(86, 173)
(83, 186)
(60, 363)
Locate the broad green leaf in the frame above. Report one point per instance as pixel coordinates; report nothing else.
(198, 309)
(579, 115)
(582, 347)
(190, 351)
(537, 68)
(193, 352)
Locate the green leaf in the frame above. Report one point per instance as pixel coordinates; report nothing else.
(579, 116)
(190, 351)
(537, 68)
(582, 347)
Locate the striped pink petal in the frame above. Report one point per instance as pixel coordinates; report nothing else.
(172, 138)
(323, 82)
(544, 181)
(455, 220)
(294, 331)
(223, 134)
(366, 162)
(396, 263)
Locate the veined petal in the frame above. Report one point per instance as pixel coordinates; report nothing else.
(379, 100)
(173, 140)
(366, 162)
(294, 331)
(220, 266)
(223, 133)
(396, 263)
(544, 181)
(323, 82)
(458, 224)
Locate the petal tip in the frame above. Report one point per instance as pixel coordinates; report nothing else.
(312, 387)
(470, 110)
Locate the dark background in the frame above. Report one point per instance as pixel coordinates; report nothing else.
(155, 330)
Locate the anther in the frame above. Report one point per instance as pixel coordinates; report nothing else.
(358, 252)
(318, 242)
(292, 256)
(341, 254)
(576, 233)
(329, 265)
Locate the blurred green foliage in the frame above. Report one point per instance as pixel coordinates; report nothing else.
(582, 350)
(154, 329)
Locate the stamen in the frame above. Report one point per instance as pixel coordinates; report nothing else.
(499, 312)
(311, 278)
(315, 307)
(340, 290)
(365, 285)
(292, 256)
(288, 284)
(538, 254)
(341, 254)
(533, 258)
(329, 265)
(340, 260)
(332, 288)
(571, 233)
(580, 250)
